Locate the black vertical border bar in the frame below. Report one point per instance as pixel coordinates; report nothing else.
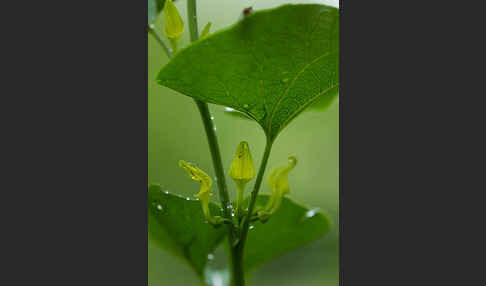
(340, 215)
(145, 211)
(75, 161)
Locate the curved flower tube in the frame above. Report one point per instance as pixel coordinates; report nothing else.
(279, 184)
(204, 194)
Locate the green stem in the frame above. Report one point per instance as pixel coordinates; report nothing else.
(206, 118)
(254, 193)
(239, 202)
(209, 126)
(192, 19)
(238, 273)
(236, 258)
(216, 156)
(238, 250)
(152, 31)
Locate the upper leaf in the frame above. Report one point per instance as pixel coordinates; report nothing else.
(178, 225)
(154, 8)
(293, 225)
(270, 65)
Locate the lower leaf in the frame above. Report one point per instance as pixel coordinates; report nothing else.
(177, 224)
(293, 225)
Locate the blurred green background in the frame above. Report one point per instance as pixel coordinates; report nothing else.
(175, 132)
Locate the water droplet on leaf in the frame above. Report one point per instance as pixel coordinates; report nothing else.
(158, 207)
(310, 213)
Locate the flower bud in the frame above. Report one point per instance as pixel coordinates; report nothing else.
(174, 26)
(241, 169)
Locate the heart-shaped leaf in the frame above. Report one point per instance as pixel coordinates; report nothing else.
(154, 8)
(178, 225)
(271, 65)
(293, 225)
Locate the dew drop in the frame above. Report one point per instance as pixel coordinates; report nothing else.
(188, 199)
(251, 227)
(158, 207)
(210, 256)
(212, 117)
(311, 213)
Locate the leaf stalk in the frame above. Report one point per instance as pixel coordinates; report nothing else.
(166, 49)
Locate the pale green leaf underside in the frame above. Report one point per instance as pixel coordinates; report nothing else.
(178, 225)
(271, 65)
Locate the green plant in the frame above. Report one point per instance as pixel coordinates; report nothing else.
(269, 67)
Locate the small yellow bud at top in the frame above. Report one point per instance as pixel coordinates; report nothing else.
(174, 26)
(241, 169)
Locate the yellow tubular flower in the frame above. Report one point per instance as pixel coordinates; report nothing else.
(279, 184)
(204, 194)
(174, 26)
(242, 169)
